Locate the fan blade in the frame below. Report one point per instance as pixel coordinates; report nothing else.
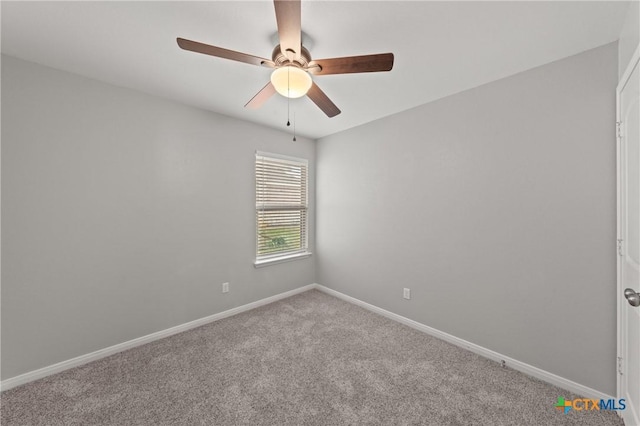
(352, 64)
(324, 103)
(261, 97)
(288, 17)
(219, 52)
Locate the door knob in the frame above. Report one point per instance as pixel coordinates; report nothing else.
(632, 297)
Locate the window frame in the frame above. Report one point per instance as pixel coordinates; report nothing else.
(303, 252)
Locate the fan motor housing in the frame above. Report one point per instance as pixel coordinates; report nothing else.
(279, 58)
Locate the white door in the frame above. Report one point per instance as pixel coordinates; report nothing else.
(628, 113)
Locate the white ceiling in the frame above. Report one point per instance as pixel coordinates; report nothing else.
(440, 48)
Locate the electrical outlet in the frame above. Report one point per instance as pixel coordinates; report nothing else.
(225, 287)
(406, 293)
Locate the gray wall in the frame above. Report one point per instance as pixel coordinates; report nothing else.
(122, 214)
(629, 36)
(496, 207)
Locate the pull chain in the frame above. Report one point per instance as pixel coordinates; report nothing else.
(288, 96)
(294, 126)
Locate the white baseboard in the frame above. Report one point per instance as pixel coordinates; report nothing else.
(530, 370)
(102, 353)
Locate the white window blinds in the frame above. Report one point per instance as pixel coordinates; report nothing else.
(281, 206)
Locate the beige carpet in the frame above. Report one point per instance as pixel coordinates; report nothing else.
(310, 359)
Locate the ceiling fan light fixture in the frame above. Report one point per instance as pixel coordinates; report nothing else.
(291, 82)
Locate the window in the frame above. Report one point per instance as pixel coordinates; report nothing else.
(281, 208)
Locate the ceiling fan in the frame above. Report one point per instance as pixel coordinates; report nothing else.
(292, 62)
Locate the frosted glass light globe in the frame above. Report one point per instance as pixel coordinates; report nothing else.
(291, 82)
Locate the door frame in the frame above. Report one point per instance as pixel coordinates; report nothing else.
(621, 341)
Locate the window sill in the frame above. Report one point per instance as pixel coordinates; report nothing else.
(280, 259)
